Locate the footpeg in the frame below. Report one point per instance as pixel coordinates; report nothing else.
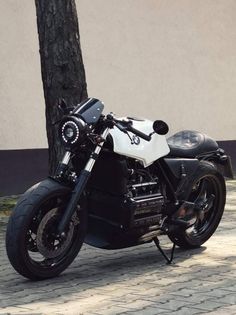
(179, 222)
(185, 216)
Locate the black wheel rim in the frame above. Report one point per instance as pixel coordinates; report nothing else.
(204, 192)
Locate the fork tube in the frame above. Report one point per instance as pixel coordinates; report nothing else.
(80, 185)
(63, 165)
(94, 155)
(66, 158)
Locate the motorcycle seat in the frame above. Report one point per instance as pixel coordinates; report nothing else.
(189, 144)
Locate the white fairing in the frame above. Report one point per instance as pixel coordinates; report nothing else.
(145, 151)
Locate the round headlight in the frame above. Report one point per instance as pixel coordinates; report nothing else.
(70, 130)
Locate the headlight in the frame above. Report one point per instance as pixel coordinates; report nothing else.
(69, 132)
(71, 129)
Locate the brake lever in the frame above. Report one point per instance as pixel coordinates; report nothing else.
(124, 129)
(131, 140)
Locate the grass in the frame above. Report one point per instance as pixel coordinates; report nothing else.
(7, 204)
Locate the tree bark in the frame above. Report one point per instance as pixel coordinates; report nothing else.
(62, 68)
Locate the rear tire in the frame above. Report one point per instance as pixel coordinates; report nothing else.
(214, 184)
(39, 209)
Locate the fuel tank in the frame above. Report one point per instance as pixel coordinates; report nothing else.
(145, 151)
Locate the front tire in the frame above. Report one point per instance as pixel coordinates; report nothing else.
(204, 183)
(34, 250)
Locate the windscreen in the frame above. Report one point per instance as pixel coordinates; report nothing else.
(89, 110)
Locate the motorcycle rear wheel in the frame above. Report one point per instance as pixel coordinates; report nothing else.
(34, 250)
(204, 183)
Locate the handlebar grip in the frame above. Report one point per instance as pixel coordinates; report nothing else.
(139, 133)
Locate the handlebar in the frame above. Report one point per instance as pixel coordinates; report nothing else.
(125, 126)
(139, 133)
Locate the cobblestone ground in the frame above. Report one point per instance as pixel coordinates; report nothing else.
(133, 281)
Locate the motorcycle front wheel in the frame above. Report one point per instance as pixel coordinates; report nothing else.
(206, 187)
(32, 244)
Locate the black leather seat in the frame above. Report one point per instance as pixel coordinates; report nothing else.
(189, 144)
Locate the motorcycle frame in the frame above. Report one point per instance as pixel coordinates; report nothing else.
(174, 173)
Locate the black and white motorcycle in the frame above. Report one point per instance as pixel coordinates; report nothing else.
(119, 184)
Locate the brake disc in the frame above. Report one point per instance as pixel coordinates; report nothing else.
(49, 244)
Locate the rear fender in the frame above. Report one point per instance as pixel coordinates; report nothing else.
(221, 161)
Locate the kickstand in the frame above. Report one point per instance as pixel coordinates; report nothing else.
(169, 260)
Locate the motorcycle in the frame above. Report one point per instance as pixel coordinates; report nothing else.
(119, 184)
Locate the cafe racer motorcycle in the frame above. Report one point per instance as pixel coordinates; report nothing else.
(119, 184)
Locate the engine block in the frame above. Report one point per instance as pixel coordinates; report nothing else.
(145, 210)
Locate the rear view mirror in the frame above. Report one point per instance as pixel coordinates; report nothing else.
(160, 127)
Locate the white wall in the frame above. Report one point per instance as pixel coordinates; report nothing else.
(163, 59)
(167, 59)
(22, 123)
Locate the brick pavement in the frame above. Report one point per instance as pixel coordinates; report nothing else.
(133, 281)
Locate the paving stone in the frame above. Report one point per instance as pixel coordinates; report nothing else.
(136, 305)
(15, 310)
(208, 305)
(227, 299)
(216, 293)
(115, 309)
(230, 310)
(174, 305)
(193, 298)
(187, 311)
(147, 311)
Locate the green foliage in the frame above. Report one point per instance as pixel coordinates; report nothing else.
(7, 204)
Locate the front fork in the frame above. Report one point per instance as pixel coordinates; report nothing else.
(80, 183)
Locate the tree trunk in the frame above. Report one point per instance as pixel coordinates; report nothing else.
(62, 66)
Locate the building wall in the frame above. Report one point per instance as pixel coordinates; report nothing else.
(21, 95)
(164, 59)
(160, 59)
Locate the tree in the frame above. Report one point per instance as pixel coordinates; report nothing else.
(62, 68)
